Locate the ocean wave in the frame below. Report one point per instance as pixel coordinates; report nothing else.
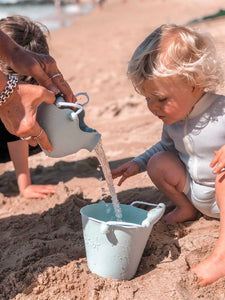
(7, 2)
(46, 12)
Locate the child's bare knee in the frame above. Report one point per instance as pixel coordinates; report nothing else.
(159, 163)
(155, 164)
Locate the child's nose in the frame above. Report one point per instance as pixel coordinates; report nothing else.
(153, 106)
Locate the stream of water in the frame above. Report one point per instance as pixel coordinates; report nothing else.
(108, 177)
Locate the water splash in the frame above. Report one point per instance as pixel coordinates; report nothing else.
(108, 177)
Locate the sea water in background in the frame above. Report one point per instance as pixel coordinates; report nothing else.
(108, 177)
(46, 12)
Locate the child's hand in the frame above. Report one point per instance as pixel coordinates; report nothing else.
(129, 169)
(38, 191)
(218, 160)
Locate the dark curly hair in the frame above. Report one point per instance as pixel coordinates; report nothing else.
(28, 34)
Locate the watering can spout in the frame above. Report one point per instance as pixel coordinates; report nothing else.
(65, 127)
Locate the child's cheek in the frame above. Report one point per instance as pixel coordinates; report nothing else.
(149, 107)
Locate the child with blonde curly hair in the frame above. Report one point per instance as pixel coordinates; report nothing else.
(177, 71)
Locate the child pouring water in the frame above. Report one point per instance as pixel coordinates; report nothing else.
(30, 36)
(177, 71)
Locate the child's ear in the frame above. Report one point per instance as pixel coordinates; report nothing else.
(196, 90)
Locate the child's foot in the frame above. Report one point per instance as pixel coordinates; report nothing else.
(210, 269)
(179, 215)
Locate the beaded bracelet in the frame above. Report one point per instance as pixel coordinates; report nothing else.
(9, 88)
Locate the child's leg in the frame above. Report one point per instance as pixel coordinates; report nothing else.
(169, 175)
(213, 268)
(19, 152)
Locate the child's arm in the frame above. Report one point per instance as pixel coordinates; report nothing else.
(129, 169)
(136, 165)
(19, 153)
(139, 163)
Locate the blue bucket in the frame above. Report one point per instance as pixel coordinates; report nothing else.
(114, 248)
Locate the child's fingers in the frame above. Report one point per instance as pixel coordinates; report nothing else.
(218, 162)
(38, 191)
(118, 172)
(44, 189)
(218, 168)
(34, 195)
(213, 163)
(122, 179)
(115, 174)
(215, 160)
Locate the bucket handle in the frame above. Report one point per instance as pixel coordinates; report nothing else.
(153, 216)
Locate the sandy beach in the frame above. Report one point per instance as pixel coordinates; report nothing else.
(42, 253)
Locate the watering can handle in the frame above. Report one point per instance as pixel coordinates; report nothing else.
(59, 102)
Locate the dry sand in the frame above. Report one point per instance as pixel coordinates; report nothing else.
(41, 242)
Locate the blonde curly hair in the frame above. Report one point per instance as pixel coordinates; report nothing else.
(176, 51)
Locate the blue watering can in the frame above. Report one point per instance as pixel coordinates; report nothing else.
(65, 127)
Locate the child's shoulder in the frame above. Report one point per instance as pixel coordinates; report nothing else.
(217, 98)
(219, 95)
(218, 104)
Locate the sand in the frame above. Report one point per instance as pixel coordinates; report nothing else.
(41, 246)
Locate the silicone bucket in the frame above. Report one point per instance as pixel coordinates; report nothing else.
(114, 248)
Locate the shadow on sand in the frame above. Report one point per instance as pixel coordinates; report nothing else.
(32, 243)
(61, 171)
